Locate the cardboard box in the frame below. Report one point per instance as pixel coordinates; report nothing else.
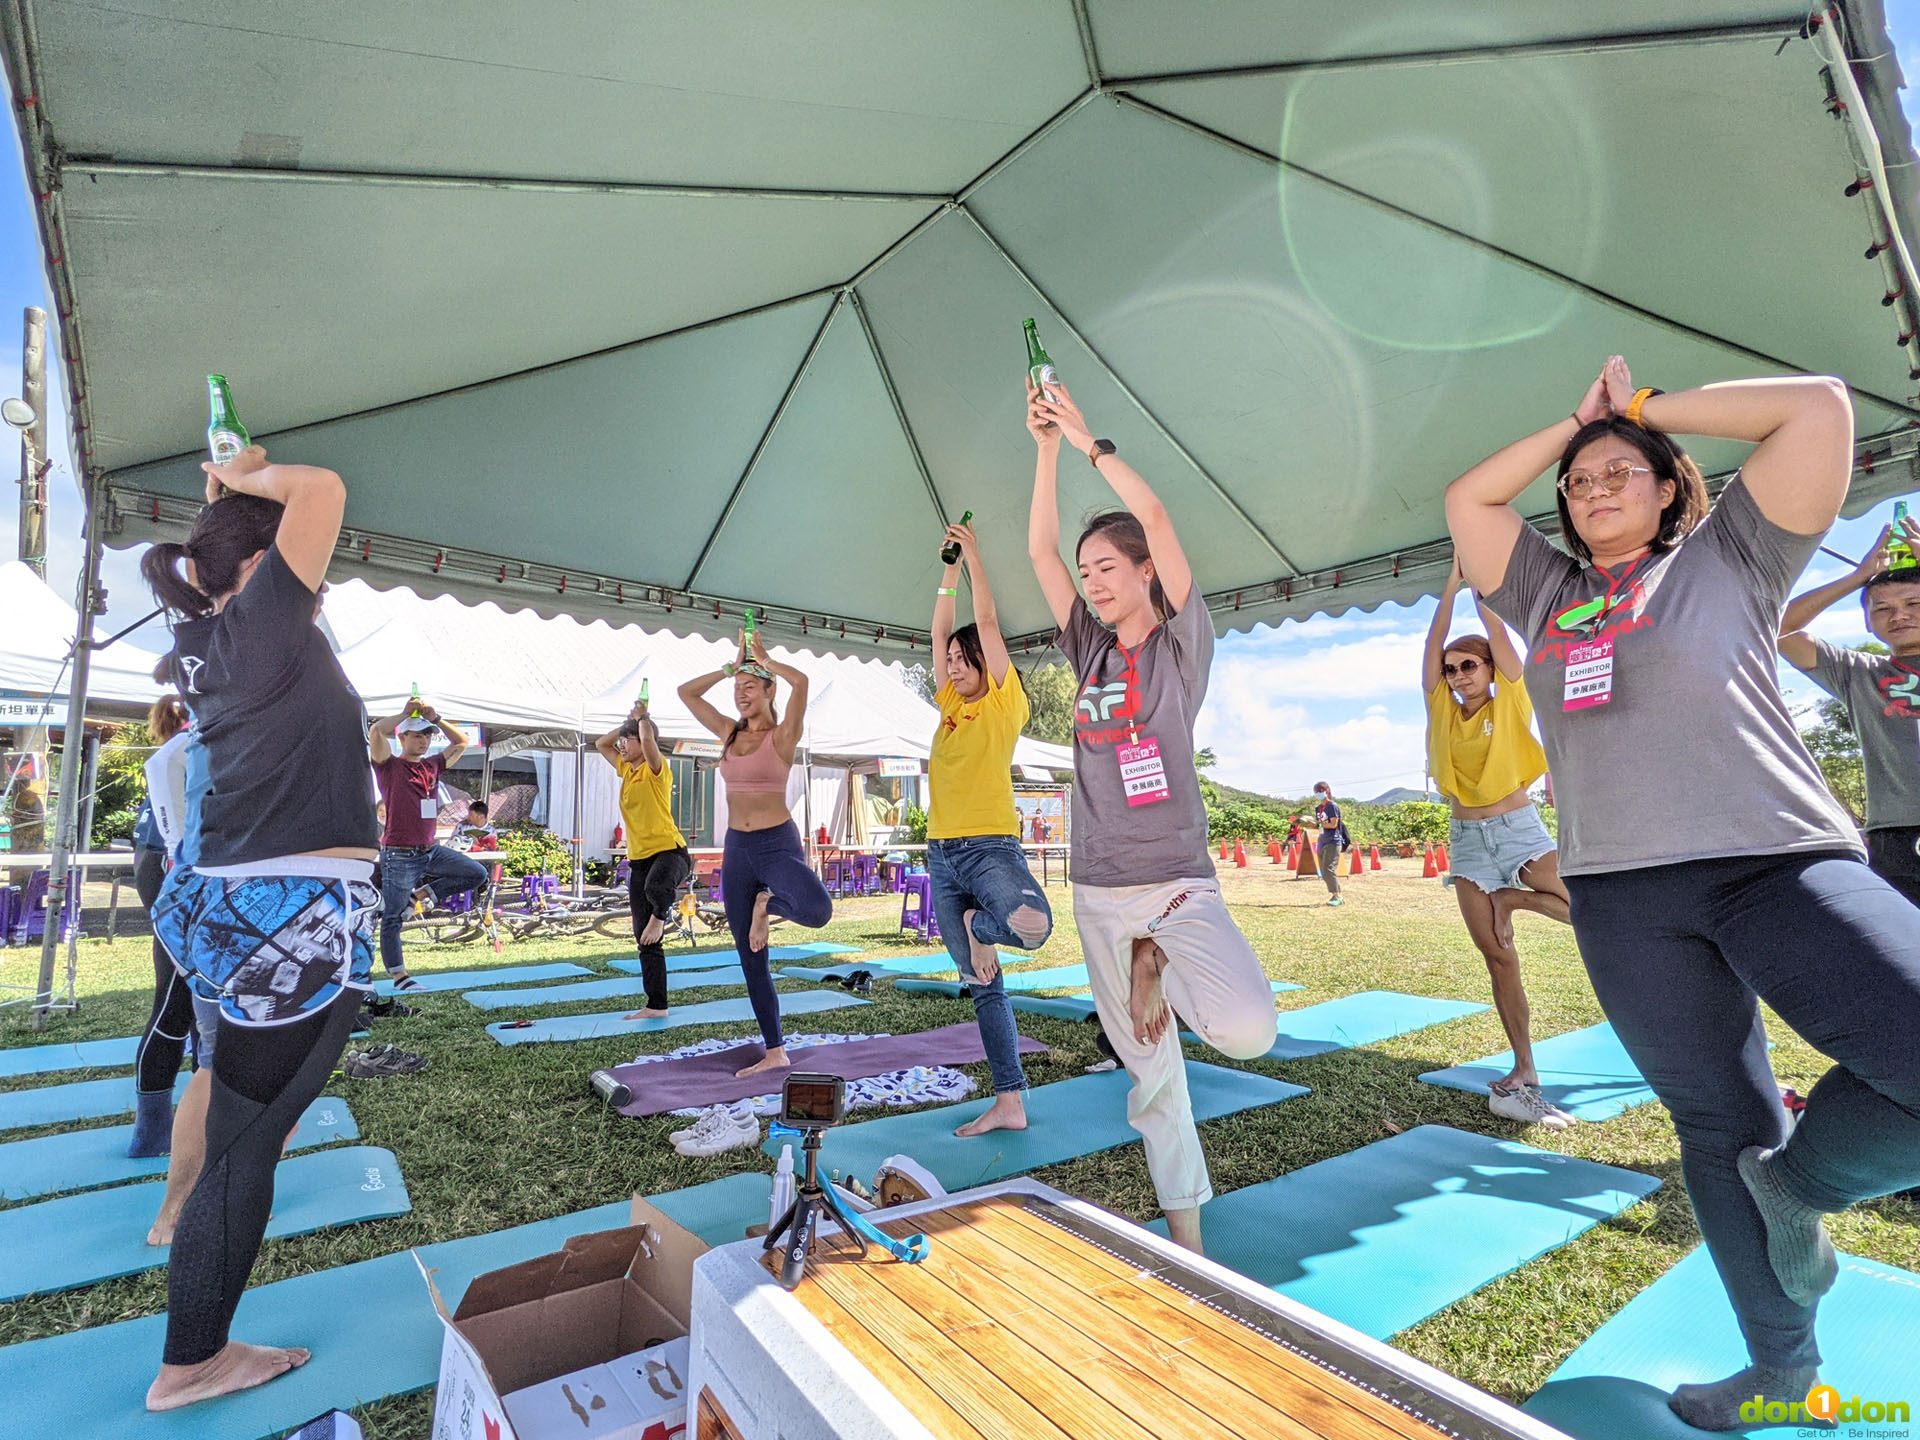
(632, 1398)
(600, 1298)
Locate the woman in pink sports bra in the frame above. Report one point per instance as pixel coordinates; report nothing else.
(764, 869)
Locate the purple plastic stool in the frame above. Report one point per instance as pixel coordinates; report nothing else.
(916, 907)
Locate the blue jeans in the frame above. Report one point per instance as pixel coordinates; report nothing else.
(1680, 956)
(446, 872)
(988, 875)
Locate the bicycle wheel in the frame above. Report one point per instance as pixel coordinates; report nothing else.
(614, 926)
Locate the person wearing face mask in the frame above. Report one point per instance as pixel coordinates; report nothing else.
(983, 893)
(1882, 696)
(1157, 935)
(1651, 654)
(1483, 756)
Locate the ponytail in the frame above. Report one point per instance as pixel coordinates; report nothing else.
(161, 568)
(225, 535)
(167, 718)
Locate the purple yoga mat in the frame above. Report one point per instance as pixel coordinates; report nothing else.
(708, 1079)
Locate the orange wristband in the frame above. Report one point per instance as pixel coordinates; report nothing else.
(1640, 397)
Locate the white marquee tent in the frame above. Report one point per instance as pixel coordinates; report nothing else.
(36, 632)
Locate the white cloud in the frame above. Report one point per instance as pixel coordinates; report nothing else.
(1376, 710)
(1378, 665)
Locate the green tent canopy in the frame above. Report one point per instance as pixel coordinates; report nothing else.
(650, 311)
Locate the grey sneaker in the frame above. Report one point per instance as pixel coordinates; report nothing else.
(706, 1123)
(730, 1132)
(1526, 1104)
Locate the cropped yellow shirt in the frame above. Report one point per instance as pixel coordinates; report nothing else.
(646, 809)
(1481, 759)
(971, 772)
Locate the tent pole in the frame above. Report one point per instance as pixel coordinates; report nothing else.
(486, 766)
(67, 813)
(579, 817)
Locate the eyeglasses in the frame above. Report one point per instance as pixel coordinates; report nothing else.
(1465, 667)
(1580, 484)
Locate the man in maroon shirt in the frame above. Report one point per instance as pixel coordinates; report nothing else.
(409, 855)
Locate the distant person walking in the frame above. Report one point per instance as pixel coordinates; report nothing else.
(1332, 840)
(1483, 756)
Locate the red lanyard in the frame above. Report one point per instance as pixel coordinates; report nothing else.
(1589, 617)
(1131, 678)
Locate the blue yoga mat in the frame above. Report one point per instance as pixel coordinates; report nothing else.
(709, 1012)
(1065, 1120)
(500, 975)
(1384, 1236)
(1587, 1073)
(82, 1239)
(1054, 977)
(79, 1100)
(103, 1372)
(1080, 1007)
(82, 1159)
(881, 967)
(600, 989)
(709, 959)
(1681, 1329)
(87, 1055)
(1359, 1020)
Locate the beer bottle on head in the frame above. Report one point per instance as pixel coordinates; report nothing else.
(643, 691)
(950, 552)
(413, 700)
(1900, 554)
(746, 630)
(1039, 368)
(226, 436)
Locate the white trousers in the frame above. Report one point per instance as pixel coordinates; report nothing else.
(1214, 984)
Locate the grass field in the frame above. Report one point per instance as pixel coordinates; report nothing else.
(491, 1136)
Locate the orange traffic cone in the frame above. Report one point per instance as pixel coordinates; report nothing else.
(1429, 870)
(1273, 850)
(619, 837)
(1223, 849)
(1375, 857)
(1308, 863)
(1239, 854)
(1291, 856)
(1356, 868)
(1441, 858)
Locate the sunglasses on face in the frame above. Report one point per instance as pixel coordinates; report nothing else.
(1465, 667)
(1609, 480)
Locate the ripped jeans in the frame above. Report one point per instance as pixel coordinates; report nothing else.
(988, 875)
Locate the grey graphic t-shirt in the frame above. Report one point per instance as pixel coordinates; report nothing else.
(1882, 696)
(1137, 814)
(1658, 701)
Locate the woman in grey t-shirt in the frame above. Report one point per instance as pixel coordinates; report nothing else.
(1650, 662)
(1155, 931)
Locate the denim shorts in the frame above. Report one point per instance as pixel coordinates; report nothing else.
(1491, 853)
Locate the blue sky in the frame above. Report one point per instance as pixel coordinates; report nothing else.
(1333, 697)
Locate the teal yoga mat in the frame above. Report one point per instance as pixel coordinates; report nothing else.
(82, 1239)
(709, 959)
(82, 1159)
(600, 989)
(1055, 977)
(1681, 1329)
(501, 975)
(79, 1100)
(881, 967)
(87, 1055)
(1587, 1073)
(1065, 1120)
(1386, 1235)
(1359, 1020)
(1080, 1007)
(710, 1012)
(94, 1382)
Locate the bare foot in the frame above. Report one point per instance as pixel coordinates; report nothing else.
(757, 932)
(1147, 1001)
(1503, 909)
(1008, 1112)
(1513, 1080)
(655, 928)
(986, 959)
(645, 1012)
(775, 1059)
(236, 1367)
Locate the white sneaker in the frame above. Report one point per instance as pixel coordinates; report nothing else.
(1526, 1104)
(709, 1120)
(731, 1132)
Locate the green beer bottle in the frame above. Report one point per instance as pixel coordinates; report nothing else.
(643, 690)
(1040, 368)
(746, 630)
(413, 701)
(950, 552)
(1899, 553)
(226, 436)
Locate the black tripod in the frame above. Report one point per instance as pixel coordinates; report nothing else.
(804, 1214)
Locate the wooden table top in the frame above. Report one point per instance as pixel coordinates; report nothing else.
(1017, 1326)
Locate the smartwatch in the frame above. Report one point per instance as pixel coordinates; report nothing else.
(1098, 449)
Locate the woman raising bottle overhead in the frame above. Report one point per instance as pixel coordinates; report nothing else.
(657, 860)
(1482, 754)
(764, 870)
(983, 893)
(1155, 931)
(1707, 864)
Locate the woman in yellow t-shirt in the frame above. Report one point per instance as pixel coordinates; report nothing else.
(657, 860)
(983, 893)
(1483, 755)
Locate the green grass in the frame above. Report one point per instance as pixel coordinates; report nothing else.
(491, 1136)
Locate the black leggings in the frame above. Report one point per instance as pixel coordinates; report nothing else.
(165, 1039)
(653, 884)
(264, 1077)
